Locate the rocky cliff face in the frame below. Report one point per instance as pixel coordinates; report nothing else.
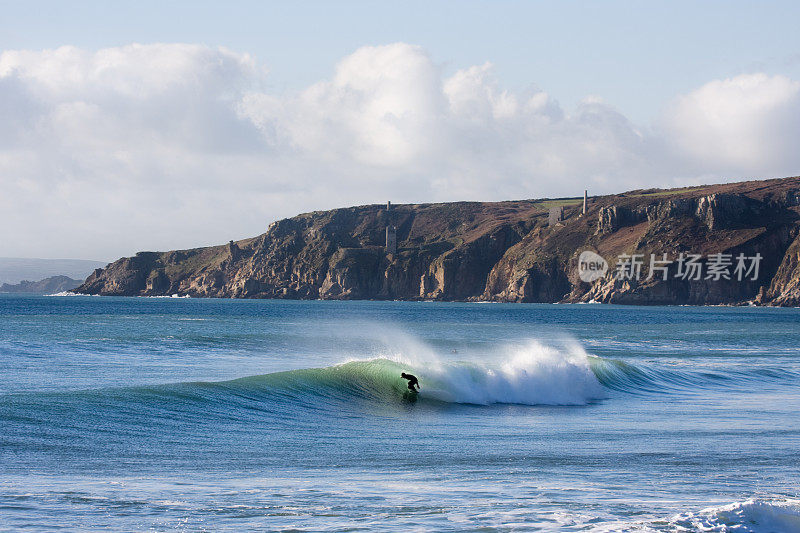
(503, 251)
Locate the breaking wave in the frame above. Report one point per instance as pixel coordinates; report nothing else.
(749, 516)
(532, 375)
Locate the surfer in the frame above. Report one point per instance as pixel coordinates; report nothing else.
(412, 381)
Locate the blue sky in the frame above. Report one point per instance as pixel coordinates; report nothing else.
(636, 55)
(161, 125)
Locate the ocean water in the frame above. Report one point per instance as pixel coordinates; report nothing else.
(193, 414)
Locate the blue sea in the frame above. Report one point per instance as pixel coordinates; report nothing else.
(165, 414)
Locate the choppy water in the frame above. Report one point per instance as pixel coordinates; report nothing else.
(137, 413)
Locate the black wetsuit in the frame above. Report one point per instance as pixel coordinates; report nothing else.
(412, 381)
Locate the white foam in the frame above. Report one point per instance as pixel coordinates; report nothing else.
(749, 516)
(68, 293)
(533, 374)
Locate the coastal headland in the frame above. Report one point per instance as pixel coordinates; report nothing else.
(735, 244)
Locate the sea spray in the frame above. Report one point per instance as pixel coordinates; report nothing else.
(532, 374)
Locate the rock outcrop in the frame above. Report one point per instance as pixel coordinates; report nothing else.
(784, 290)
(504, 251)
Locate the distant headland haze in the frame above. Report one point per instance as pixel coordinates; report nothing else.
(16, 269)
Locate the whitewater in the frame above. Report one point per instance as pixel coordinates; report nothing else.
(185, 414)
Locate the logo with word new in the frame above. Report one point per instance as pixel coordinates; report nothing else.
(591, 266)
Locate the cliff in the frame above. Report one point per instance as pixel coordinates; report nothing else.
(504, 251)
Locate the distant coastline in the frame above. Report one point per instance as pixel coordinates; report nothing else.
(14, 270)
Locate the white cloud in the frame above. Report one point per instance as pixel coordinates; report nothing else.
(380, 109)
(388, 116)
(106, 152)
(747, 124)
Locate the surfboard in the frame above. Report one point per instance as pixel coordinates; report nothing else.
(410, 395)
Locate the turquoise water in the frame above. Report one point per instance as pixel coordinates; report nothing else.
(190, 414)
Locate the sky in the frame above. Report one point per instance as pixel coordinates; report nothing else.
(171, 124)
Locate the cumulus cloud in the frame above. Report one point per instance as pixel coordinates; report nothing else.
(388, 115)
(748, 124)
(159, 146)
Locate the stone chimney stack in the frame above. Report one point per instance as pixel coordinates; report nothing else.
(585, 197)
(555, 216)
(391, 240)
